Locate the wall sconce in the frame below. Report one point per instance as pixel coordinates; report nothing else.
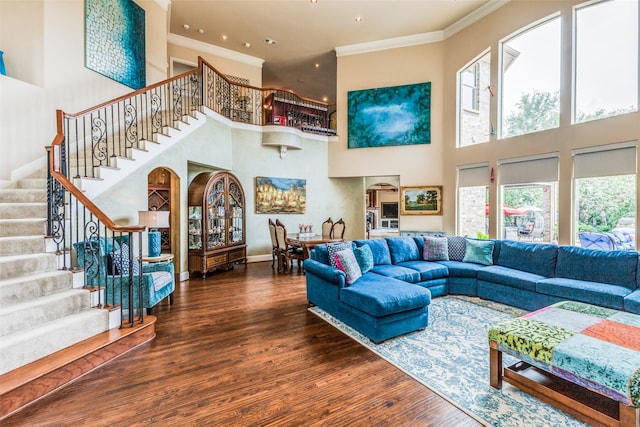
(154, 220)
(283, 151)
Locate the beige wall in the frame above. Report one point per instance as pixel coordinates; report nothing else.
(33, 91)
(414, 164)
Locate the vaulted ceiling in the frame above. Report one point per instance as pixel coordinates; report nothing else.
(297, 39)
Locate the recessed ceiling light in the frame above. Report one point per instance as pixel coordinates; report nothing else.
(317, 65)
(325, 99)
(313, 1)
(247, 45)
(224, 37)
(200, 30)
(185, 26)
(358, 18)
(270, 41)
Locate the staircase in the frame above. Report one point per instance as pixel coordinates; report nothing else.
(42, 314)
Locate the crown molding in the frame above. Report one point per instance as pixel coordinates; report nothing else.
(164, 4)
(214, 50)
(424, 38)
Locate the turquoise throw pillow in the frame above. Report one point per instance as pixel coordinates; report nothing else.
(364, 256)
(479, 251)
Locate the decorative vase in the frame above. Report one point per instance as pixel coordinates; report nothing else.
(3, 71)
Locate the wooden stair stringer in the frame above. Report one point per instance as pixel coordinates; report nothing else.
(25, 385)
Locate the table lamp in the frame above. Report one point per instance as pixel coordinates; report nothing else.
(154, 220)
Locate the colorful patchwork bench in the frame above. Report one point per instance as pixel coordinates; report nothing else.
(592, 354)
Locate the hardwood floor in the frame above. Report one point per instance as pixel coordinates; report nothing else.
(241, 348)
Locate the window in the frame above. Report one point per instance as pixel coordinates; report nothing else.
(473, 103)
(473, 198)
(530, 80)
(605, 192)
(529, 192)
(606, 59)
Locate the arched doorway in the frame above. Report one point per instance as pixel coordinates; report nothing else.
(382, 206)
(164, 194)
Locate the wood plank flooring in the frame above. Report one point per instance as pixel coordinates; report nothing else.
(240, 348)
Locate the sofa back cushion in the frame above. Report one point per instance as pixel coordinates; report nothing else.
(379, 249)
(403, 248)
(457, 246)
(593, 265)
(536, 258)
(320, 253)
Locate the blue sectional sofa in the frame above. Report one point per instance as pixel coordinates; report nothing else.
(391, 293)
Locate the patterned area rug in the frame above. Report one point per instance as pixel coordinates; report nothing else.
(451, 357)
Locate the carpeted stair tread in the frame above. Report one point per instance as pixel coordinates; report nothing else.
(26, 346)
(20, 245)
(10, 210)
(21, 265)
(23, 195)
(16, 290)
(29, 314)
(22, 227)
(35, 183)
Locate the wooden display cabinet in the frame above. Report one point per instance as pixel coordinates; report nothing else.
(217, 236)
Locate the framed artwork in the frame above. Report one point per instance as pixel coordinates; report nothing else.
(421, 200)
(281, 195)
(388, 116)
(114, 41)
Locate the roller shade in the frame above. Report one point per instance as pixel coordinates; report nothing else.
(606, 162)
(473, 176)
(526, 170)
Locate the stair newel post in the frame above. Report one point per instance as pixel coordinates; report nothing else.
(140, 299)
(131, 280)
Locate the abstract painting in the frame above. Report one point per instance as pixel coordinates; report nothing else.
(114, 41)
(397, 115)
(281, 195)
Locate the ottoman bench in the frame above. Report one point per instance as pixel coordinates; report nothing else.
(581, 358)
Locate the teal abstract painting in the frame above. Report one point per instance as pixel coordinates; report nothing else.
(388, 116)
(114, 41)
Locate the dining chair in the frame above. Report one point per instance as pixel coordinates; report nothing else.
(326, 228)
(274, 242)
(337, 232)
(286, 253)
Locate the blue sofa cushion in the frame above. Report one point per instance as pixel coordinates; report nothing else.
(379, 248)
(632, 302)
(380, 296)
(364, 256)
(534, 258)
(403, 249)
(320, 253)
(462, 269)
(479, 251)
(601, 294)
(397, 272)
(613, 267)
(428, 270)
(509, 277)
(457, 247)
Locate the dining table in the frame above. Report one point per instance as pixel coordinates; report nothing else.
(307, 242)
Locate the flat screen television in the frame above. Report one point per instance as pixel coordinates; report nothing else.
(389, 210)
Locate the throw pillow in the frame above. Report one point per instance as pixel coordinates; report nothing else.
(120, 261)
(346, 261)
(435, 249)
(364, 256)
(479, 251)
(457, 246)
(334, 248)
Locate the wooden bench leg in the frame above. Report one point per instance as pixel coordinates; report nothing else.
(495, 368)
(629, 416)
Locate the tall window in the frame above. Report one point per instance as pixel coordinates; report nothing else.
(473, 103)
(606, 61)
(605, 192)
(473, 193)
(529, 191)
(531, 80)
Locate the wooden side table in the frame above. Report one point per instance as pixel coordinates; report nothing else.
(156, 259)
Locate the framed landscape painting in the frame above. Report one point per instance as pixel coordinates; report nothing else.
(421, 200)
(281, 195)
(388, 116)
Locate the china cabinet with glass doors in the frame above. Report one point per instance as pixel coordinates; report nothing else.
(216, 222)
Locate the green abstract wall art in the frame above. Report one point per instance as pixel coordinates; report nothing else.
(388, 116)
(114, 41)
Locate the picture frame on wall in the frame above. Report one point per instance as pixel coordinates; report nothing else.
(281, 195)
(424, 200)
